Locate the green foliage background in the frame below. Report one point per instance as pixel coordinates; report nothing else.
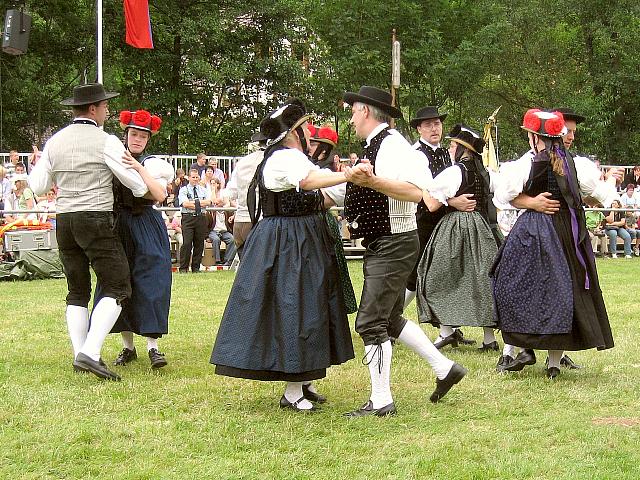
(219, 66)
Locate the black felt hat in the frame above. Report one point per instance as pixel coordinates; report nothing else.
(569, 114)
(88, 94)
(467, 138)
(375, 97)
(283, 120)
(427, 113)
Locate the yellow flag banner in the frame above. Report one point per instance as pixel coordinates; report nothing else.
(489, 155)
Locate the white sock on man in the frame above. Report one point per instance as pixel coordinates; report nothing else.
(293, 393)
(445, 331)
(378, 358)
(152, 343)
(77, 325)
(408, 297)
(127, 340)
(509, 350)
(103, 317)
(554, 358)
(414, 338)
(489, 336)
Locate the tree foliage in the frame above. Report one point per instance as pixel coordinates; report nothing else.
(219, 66)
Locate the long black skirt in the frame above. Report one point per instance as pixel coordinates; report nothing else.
(285, 318)
(539, 287)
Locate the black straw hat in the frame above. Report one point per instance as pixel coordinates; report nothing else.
(427, 113)
(569, 114)
(466, 137)
(375, 97)
(88, 94)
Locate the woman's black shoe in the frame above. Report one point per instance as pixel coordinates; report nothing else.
(503, 361)
(125, 356)
(443, 342)
(284, 403)
(367, 410)
(157, 358)
(524, 358)
(486, 347)
(312, 396)
(552, 372)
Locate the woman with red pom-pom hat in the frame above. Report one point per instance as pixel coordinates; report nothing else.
(144, 238)
(545, 283)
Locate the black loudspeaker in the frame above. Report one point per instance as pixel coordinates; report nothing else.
(17, 26)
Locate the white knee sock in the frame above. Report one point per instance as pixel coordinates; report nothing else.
(293, 393)
(127, 340)
(78, 326)
(103, 317)
(152, 343)
(554, 358)
(509, 350)
(489, 336)
(408, 297)
(378, 358)
(445, 331)
(310, 386)
(413, 337)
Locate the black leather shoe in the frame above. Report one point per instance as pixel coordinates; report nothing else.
(125, 356)
(503, 361)
(486, 347)
(456, 374)
(79, 368)
(443, 342)
(461, 338)
(367, 410)
(98, 368)
(524, 358)
(157, 358)
(552, 372)
(312, 396)
(566, 362)
(284, 403)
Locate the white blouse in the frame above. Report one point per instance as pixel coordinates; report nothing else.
(448, 182)
(514, 176)
(285, 169)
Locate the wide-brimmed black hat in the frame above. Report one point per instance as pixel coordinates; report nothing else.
(283, 120)
(375, 97)
(427, 113)
(466, 137)
(569, 114)
(258, 137)
(88, 94)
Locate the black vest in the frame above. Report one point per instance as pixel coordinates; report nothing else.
(437, 163)
(124, 199)
(366, 210)
(476, 182)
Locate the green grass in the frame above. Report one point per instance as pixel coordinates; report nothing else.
(186, 422)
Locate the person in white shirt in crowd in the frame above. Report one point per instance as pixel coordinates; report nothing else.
(5, 188)
(219, 234)
(82, 159)
(49, 207)
(10, 164)
(380, 208)
(193, 199)
(217, 173)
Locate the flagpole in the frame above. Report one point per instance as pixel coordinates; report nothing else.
(99, 39)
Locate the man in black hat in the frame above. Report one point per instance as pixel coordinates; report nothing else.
(428, 123)
(81, 159)
(380, 207)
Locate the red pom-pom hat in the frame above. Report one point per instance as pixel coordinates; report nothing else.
(140, 120)
(323, 134)
(545, 124)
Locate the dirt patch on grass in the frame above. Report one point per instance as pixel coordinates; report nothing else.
(623, 422)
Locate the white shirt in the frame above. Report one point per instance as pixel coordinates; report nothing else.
(285, 169)
(514, 176)
(447, 183)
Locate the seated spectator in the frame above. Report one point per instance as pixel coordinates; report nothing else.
(48, 204)
(211, 183)
(219, 234)
(20, 170)
(353, 158)
(174, 228)
(179, 182)
(615, 226)
(200, 164)
(10, 165)
(629, 199)
(595, 227)
(633, 177)
(24, 197)
(217, 173)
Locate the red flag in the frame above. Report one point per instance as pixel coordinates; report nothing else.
(138, 23)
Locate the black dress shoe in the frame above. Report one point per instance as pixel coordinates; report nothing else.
(566, 362)
(524, 358)
(367, 410)
(443, 342)
(461, 338)
(98, 368)
(456, 374)
(284, 403)
(503, 361)
(125, 356)
(486, 347)
(552, 372)
(312, 396)
(157, 358)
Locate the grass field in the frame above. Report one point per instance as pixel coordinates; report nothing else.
(186, 422)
